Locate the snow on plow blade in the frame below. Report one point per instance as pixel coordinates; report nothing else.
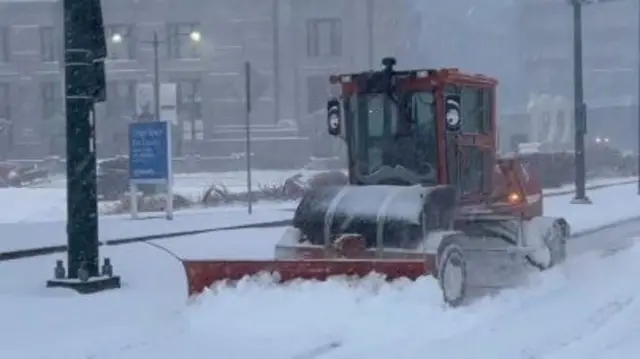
(202, 274)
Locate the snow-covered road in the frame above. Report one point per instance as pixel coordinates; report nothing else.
(582, 308)
(585, 309)
(35, 217)
(38, 220)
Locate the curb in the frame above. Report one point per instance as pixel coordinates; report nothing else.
(597, 186)
(42, 251)
(604, 227)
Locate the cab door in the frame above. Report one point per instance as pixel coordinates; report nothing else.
(470, 142)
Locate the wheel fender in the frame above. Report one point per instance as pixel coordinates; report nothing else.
(538, 227)
(432, 243)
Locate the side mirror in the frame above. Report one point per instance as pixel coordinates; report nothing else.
(453, 112)
(334, 117)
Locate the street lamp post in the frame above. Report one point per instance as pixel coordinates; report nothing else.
(580, 108)
(155, 42)
(276, 60)
(370, 42)
(638, 69)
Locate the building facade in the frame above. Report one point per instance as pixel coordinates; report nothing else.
(29, 76)
(610, 59)
(293, 45)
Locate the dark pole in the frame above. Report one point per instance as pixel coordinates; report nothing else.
(192, 117)
(370, 45)
(82, 204)
(247, 91)
(276, 60)
(638, 154)
(155, 42)
(580, 113)
(85, 51)
(156, 75)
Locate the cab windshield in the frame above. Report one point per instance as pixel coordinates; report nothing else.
(393, 142)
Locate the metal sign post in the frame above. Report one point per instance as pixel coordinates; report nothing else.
(247, 89)
(638, 110)
(580, 107)
(150, 161)
(255, 85)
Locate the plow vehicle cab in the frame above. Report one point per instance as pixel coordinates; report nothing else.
(427, 193)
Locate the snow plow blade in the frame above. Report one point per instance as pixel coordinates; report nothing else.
(202, 274)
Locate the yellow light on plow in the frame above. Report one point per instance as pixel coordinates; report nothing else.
(514, 197)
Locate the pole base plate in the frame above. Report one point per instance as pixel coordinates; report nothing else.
(93, 285)
(583, 200)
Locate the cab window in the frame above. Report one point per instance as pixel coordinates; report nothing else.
(473, 169)
(475, 108)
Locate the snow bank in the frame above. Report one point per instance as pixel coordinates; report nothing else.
(583, 310)
(257, 318)
(579, 311)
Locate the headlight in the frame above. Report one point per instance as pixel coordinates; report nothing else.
(13, 175)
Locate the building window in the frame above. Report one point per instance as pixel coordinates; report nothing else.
(6, 125)
(473, 170)
(318, 90)
(189, 108)
(324, 37)
(607, 60)
(5, 101)
(121, 111)
(53, 115)
(48, 44)
(52, 100)
(182, 40)
(476, 108)
(121, 102)
(610, 87)
(121, 42)
(5, 48)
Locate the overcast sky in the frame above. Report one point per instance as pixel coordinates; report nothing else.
(476, 36)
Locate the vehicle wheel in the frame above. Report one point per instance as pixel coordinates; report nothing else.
(452, 274)
(555, 241)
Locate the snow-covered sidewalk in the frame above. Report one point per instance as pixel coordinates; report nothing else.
(148, 318)
(610, 205)
(193, 185)
(29, 235)
(37, 219)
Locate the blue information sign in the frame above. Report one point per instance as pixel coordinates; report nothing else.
(149, 152)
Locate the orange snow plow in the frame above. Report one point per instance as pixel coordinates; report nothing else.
(202, 274)
(427, 194)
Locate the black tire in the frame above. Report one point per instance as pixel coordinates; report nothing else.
(451, 258)
(556, 242)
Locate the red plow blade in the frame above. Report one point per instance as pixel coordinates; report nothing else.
(203, 273)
